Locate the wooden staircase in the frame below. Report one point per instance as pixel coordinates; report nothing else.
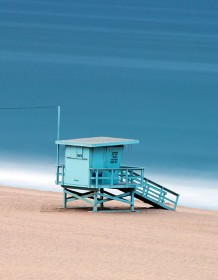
(154, 194)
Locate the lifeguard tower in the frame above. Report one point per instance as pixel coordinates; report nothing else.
(92, 172)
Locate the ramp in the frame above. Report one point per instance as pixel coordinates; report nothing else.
(154, 194)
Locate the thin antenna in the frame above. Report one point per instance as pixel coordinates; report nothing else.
(58, 137)
(58, 124)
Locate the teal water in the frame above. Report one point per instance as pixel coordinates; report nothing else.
(136, 69)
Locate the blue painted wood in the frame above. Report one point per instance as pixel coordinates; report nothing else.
(64, 199)
(72, 198)
(132, 200)
(105, 196)
(76, 166)
(97, 142)
(156, 194)
(101, 197)
(120, 198)
(95, 206)
(95, 164)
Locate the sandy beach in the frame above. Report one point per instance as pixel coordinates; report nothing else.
(40, 240)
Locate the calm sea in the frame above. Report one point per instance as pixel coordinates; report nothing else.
(135, 69)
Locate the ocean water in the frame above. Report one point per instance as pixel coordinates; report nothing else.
(136, 69)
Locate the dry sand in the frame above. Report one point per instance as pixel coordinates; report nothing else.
(39, 240)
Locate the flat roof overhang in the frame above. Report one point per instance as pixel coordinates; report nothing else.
(101, 141)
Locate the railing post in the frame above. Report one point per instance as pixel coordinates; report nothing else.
(96, 179)
(142, 176)
(101, 197)
(64, 199)
(57, 175)
(112, 177)
(131, 180)
(132, 200)
(90, 180)
(95, 206)
(160, 196)
(145, 191)
(121, 176)
(175, 204)
(63, 173)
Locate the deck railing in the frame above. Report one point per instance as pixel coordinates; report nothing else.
(60, 174)
(111, 177)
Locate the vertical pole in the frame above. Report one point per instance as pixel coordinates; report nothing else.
(90, 180)
(121, 179)
(175, 204)
(112, 177)
(95, 207)
(64, 199)
(57, 165)
(142, 177)
(58, 137)
(127, 178)
(101, 197)
(58, 123)
(132, 200)
(96, 179)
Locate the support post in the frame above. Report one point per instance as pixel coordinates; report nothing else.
(95, 206)
(132, 201)
(175, 204)
(64, 199)
(57, 165)
(101, 197)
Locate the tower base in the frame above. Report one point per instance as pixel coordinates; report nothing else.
(98, 197)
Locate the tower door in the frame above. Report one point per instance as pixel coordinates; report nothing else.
(76, 167)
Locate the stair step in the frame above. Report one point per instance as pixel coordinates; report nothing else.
(155, 194)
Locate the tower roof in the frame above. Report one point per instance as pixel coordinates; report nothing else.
(97, 142)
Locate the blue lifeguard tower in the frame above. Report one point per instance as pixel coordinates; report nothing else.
(92, 172)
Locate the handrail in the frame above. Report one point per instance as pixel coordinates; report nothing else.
(116, 176)
(156, 191)
(129, 167)
(122, 168)
(160, 186)
(156, 184)
(60, 173)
